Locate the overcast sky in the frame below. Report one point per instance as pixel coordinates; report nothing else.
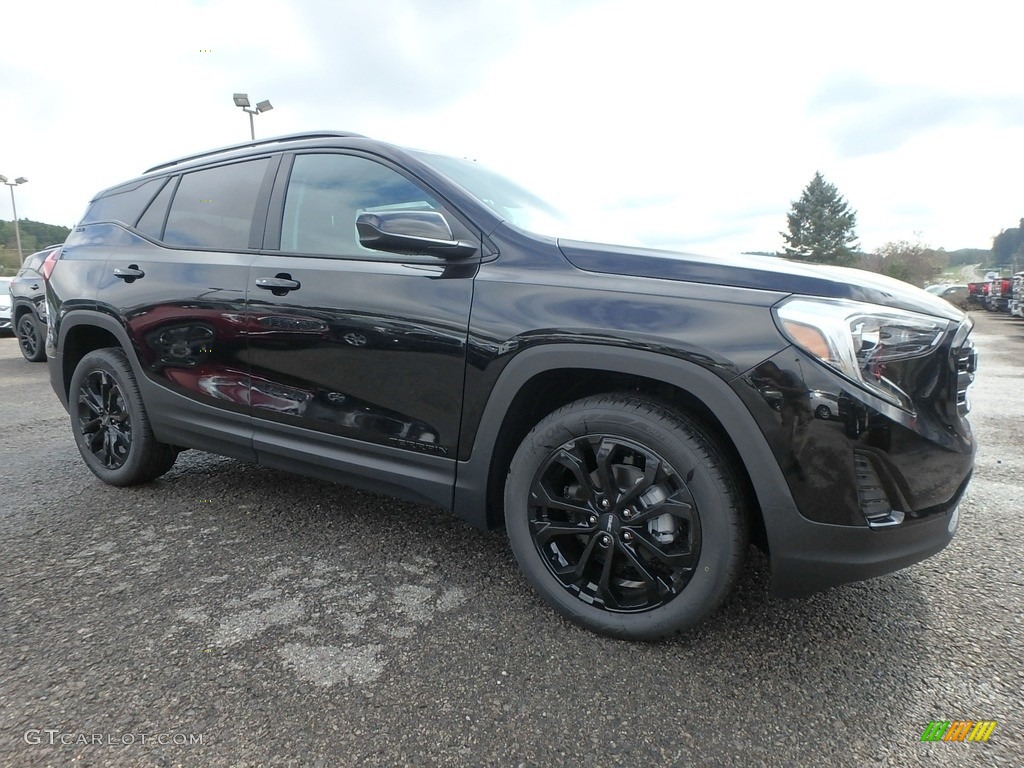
(696, 124)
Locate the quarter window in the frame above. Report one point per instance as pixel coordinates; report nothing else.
(213, 208)
(327, 192)
(123, 204)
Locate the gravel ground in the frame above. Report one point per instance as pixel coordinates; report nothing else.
(264, 619)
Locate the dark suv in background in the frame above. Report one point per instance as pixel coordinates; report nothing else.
(28, 303)
(340, 307)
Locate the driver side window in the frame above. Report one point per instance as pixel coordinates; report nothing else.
(327, 192)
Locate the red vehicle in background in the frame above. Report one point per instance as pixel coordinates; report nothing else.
(1000, 292)
(977, 295)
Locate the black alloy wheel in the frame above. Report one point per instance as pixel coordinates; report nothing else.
(110, 424)
(626, 517)
(104, 419)
(614, 523)
(30, 339)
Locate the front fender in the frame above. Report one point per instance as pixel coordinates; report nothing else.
(473, 475)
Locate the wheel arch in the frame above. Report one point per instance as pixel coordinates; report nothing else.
(540, 380)
(20, 309)
(80, 333)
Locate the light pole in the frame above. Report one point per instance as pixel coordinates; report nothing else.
(242, 100)
(17, 231)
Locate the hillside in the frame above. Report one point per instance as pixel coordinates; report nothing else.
(35, 235)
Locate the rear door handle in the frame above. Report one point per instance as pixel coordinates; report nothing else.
(279, 284)
(128, 275)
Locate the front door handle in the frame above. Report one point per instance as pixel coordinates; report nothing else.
(280, 284)
(129, 275)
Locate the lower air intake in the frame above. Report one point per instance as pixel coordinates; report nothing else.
(871, 496)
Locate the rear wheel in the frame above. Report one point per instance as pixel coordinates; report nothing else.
(110, 423)
(30, 338)
(626, 517)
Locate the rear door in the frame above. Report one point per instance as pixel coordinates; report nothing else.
(177, 282)
(357, 356)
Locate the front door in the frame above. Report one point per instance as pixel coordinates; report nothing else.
(357, 356)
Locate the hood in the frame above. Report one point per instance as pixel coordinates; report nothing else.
(766, 273)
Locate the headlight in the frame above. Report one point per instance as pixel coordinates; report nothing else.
(858, 340)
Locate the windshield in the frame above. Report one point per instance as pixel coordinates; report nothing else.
(504, 197)
(525, 210)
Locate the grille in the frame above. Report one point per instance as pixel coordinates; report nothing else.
(966, 365)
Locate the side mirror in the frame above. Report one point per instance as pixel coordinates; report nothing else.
(411, 232)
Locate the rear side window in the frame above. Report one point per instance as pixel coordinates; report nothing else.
(33, 264)
(123, 204)
(213, 208)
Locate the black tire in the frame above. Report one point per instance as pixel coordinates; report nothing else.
(612, 562)
(823, 412)
(110, 424)
(30, 338)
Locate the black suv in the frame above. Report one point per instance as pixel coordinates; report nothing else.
(339, 307)
(28, 305)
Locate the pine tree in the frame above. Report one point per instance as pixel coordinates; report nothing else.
(821, 226)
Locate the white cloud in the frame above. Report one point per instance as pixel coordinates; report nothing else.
(695, 123)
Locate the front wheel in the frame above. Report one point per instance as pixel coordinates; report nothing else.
(626, 517)
(30, 339)
(110, 423)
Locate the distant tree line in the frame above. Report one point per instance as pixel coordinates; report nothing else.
(1008, 248)
(35, 235)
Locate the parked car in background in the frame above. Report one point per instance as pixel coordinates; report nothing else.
(6, 325)
(954, 294)
(1000, 292)
(977, 295)
(1017, 300)
(28, 304)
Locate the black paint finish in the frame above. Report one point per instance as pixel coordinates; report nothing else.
(398, 371)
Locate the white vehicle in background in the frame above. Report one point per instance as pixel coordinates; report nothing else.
(1016, 305)
(5, 306)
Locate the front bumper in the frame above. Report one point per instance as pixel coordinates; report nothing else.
(808, 557)
(874, 488)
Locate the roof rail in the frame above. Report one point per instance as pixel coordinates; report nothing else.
(272, 140)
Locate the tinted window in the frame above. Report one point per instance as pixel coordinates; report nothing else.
(33, 263)
(123, 204)
(213, 208)
(152, 221)
(327, 192)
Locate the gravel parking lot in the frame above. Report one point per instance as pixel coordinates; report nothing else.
(227, 615)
